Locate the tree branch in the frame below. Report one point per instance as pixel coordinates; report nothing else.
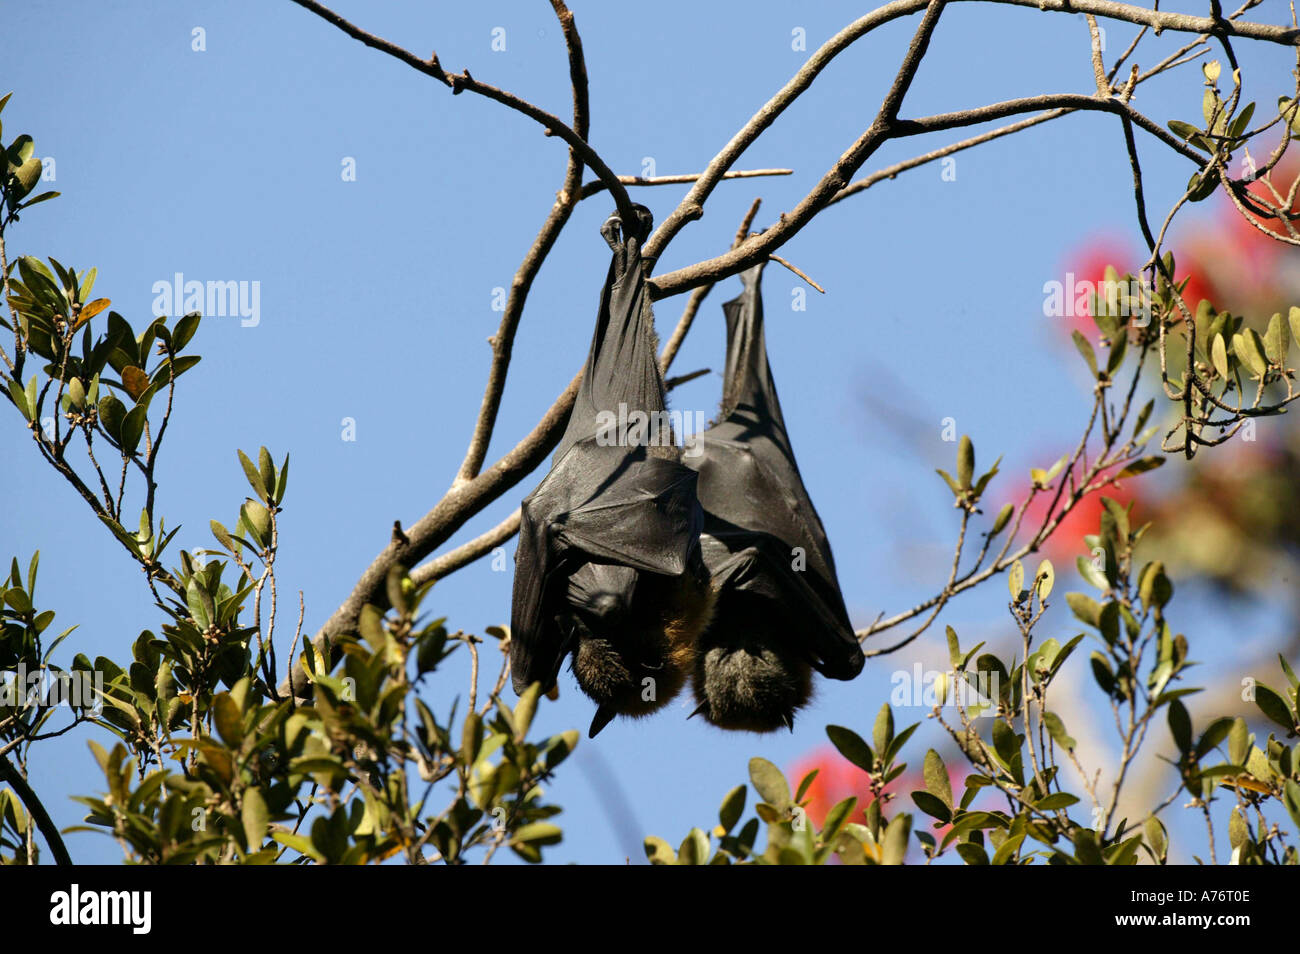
(49, 830)
(462, 82)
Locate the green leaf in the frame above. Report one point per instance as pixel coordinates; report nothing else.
(1180, 726)
(1202, 184)
(1055, 801)
(1004, 515)
(282, 480)
(733, 806)
(228, 720)
(1006, 852)
(1238, 742)
(299, 843)
(694, 849)
(954, 648)
(525, 709)
(1141, 466)
(1219, 356)
(1285, 107)
(1238, 830)
(253, 476)
(538, 833)
(255, 816)
(112, 412)
(883, 731)
(1185, 131)
(1277, 339)
(27, 175)
(1016, 580)
(1085, 349)
(659, 852)
(947, 479)
(32, 400)
(1101, 672)
(837, 816)
(1056, 729)
(1118, 348)
(184, 330)
(893, 847)
(1247, 345)
(1274, 706)
(1044, 579)
(932, 806)
(1214, 734)
(852, 746)
(1086, 850)
(133, 427)
(1005, 742)
(937, 782)
(1156, 837)
(965, 462)
(1092, 575)
(769, 783)
(972, 853)
(1084, 607)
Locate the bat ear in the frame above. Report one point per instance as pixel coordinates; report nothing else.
(604, 715)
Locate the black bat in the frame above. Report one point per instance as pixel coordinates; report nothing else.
(779, 612)
(608, 566)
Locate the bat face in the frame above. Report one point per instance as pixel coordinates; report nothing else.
(746, 678)
(632, 656)
(752, 670)
(779, 611)
(608, 569)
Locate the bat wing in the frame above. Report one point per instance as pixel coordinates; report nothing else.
(763, 538)
(622, 369)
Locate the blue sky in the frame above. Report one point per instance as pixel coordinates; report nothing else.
(376, 297)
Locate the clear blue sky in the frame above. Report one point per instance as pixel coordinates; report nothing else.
(376, 296)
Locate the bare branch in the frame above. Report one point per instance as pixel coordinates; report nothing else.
(463, 82)
(596, 186)
(565, 202)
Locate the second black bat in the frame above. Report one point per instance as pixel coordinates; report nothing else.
(779, 613)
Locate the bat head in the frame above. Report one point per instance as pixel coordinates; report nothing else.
(746, 678)
(633, 653)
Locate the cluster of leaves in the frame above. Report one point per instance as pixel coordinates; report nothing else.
(1014, 745)
(1224, 130)
(1256, 776)
(1230, 354)
(22, 171)
(792, 838)
(237, 776)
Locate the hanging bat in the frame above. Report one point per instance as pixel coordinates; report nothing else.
(608, 566)
(778, 612)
